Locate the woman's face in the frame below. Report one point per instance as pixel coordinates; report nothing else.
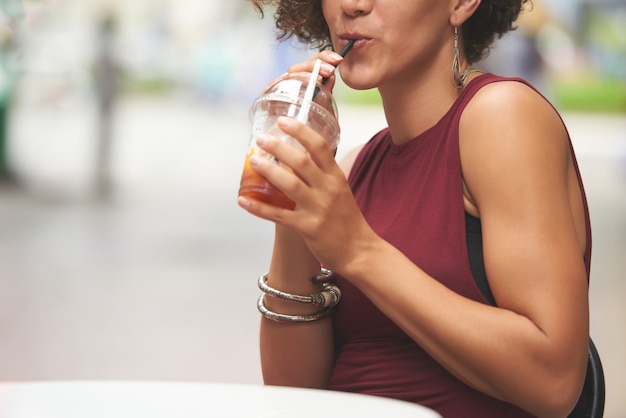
(396, 39)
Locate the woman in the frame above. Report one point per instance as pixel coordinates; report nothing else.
(459, 237)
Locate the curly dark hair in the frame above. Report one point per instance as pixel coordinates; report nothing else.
(305, 20)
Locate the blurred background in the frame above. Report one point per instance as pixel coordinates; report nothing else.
(123, 127)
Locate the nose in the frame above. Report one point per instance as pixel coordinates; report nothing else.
(354, 8)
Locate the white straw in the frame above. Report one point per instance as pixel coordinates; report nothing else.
(303, 115)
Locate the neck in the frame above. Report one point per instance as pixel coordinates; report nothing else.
(413, 107)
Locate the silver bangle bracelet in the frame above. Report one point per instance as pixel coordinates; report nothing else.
(278, 317)
(328, 297)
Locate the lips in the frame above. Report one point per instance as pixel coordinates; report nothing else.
(360, 40)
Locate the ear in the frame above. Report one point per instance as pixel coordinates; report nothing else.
(462, 10)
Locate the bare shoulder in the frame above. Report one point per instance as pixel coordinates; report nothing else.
(510, 135)
(517, 168)
(510, 105)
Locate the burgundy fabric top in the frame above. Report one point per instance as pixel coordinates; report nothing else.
(412, 196)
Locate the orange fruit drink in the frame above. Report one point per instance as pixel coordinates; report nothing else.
(256, 186)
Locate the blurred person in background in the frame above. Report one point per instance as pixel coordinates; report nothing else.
(107, 88)
(458, 238)
(10, 12)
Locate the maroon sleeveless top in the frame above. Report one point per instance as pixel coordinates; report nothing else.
(412, 196)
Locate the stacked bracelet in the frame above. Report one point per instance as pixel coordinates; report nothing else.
(328, 297)
(325, 299)
(278, 317)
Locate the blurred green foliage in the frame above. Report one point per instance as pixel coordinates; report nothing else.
(148, 85)
(590, 94)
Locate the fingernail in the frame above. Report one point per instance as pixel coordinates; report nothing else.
(285, 121)
(243, 202)
(334, 55)
(327, 68)
(255, 161)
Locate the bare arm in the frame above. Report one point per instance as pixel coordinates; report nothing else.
(531, 349)
(294, 354)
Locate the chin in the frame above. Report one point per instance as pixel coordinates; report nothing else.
(358, 82)
(357, 86)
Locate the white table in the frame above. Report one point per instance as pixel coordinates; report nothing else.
(129, 399)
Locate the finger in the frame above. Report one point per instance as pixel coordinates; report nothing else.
(295, 171)
(335, 59)
(330, 61)
(265, 210)
(289, 182)
(326, 70)
(316, 145)
(329, 57)
(311, 165)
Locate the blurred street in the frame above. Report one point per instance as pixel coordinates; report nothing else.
(159, 280)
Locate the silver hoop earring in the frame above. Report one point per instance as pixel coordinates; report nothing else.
(459, 78)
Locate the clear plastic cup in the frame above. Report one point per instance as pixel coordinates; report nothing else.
(286, 97)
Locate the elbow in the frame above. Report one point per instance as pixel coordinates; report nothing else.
(560, 403)
(560, 396)
(561, 382)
